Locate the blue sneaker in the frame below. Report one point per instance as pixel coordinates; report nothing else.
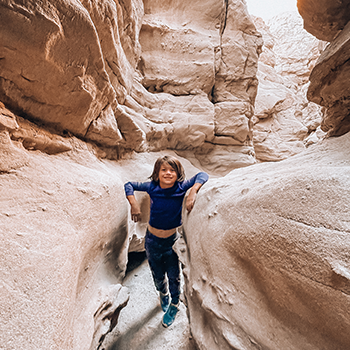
(164, 301)
(169, 316)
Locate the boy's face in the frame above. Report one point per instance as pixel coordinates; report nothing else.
(167, 176)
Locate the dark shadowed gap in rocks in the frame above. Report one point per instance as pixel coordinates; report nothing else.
(139, 326)
(135, 259)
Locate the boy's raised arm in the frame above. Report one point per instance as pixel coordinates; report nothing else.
(135, 208)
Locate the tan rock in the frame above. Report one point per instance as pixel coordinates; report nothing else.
(7, 119)
(220, 159)
(283, 117)
(51, 65)
(232, 119)
(64, 237)
(95, 59)
(296, 50)
(178, 122)
(176, 60)
(12, 158)
(118, 26)
(237, 59)
(113, 300)
(329, 84)
(324, 19)
(104, 130)
(267, 254)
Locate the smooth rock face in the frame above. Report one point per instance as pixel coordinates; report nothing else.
(285, 122)
(272, 269)
(64, 240)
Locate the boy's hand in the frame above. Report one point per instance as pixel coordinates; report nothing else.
(135, 212)
(190, 202)
(192, 196)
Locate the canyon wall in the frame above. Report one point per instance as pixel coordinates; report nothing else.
(272, 269)
(64, 244)
(267, 264)
(135, 75)
(285, 122)
(83, 84)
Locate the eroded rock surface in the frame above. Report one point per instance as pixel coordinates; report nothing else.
(62, 229)
(272, 267)
(135, 75)
(285, 122)
(324, 19)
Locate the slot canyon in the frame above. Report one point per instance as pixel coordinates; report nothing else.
(92, 92)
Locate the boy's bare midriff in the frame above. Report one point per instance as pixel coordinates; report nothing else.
(161, 233)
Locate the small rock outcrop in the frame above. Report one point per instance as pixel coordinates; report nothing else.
(329, 87)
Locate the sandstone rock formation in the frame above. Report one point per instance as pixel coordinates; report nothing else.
(63, 237)
(280, 230)
(107, 315)
(267, 263)
(324, 19)
(329, 80)
(284, 120)
(137, 75)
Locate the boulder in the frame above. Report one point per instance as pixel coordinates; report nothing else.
(267, 262)
(329, 84)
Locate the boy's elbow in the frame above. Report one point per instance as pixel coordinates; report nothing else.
(204, 177)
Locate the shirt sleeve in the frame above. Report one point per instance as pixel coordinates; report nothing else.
(130, 187)
(201, 178)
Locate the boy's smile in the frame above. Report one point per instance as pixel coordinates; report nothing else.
(167, 176)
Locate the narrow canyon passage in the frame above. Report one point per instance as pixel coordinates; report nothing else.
(139, 326)
(93, 92)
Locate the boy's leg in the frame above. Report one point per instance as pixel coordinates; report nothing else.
(173, 273)
(157, 266)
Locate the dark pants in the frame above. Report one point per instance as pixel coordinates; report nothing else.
(164, 264)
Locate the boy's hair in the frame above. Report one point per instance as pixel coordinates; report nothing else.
(173, 162)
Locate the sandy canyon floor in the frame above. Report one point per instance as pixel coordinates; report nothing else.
(140, 322)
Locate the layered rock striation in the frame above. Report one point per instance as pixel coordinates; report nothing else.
(135, 75)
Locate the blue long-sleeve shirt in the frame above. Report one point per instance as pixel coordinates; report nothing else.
(166, 203)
